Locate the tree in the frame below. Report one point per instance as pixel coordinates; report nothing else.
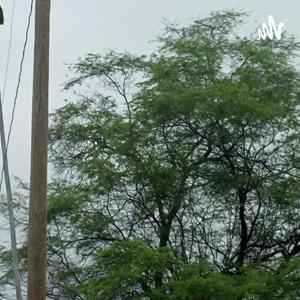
(177, 175)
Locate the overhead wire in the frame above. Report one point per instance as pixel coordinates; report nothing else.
(9, 50)
(18, 85)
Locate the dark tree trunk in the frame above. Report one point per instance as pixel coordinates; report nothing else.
(243, 229)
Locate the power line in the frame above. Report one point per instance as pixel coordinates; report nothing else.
(9, 50)
(10, 206)
(4, 145)
(18, 86)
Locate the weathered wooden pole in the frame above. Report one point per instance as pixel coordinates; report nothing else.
(37, 236)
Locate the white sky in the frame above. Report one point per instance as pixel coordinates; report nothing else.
(79, 27)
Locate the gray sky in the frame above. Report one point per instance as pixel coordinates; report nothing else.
(91, 26)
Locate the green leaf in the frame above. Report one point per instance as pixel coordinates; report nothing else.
(1, 16)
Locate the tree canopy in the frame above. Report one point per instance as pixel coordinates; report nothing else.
(177, 174)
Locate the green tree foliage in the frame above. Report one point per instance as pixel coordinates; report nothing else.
(194, 149)
(129, 269)
(1, 16)
(177, 174)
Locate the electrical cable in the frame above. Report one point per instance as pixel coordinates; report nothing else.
(9, 50)
(18, 86)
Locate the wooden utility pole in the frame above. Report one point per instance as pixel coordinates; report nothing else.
(37, 236)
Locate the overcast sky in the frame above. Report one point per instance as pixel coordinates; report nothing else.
(92, 26)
